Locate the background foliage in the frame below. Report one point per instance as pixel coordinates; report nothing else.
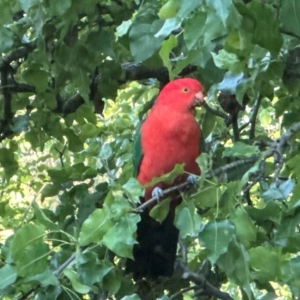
(76, 78)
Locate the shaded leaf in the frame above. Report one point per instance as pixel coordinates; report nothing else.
(245, 228)
(8, 276)
(120, 237)
(77, 285)
(187, 220)
(95, 227)
(91, 269)
(215, 237)
(241, 150)
(26, 236)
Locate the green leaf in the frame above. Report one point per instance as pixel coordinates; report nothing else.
(265, 263)
(5, 12)
(289, 16)
(8, 162)
(20, 124)
(215, 237)
(46, 278)
(290, 273)
(160, 211)
(208, 196)
(123, 28)
(143, 43)
(133, 188)
(165, 51)
(168, 177)
(82, 81)
(27, 235)
(58, 176)
(192, 31)
(36, 77)
(7, 39)
(187, 220)
(27, 4)
(33, 260)
(88, 130)
(131, 297)
(112, 281)
(264, 25)
(95, 227)
(91, 269)
(221, 7)
(235, 263)
(203, 163)
(8, 276)
(168, 27)
(74, 143)
(186, 7)
(228, 61)
(280, 192)
(59, 7)
(86, 113)
(272, 211)
(169, 9)
(120, 237)
(105, 151)
(50, 190)
(213, 28)
(230, 82)
(76, 284)
(241, 150)
(42, 217)
(245, 229)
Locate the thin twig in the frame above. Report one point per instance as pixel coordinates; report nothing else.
(28, 293)
(253, 117)
(155, 199)
(64, 265)
(61, 154)
(182, 291)
(232, 165)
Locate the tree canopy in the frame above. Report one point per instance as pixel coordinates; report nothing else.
(77, 77)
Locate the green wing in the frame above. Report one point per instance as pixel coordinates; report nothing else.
(137, 146)
(137, 150)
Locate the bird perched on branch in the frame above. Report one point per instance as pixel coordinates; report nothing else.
(168, 136)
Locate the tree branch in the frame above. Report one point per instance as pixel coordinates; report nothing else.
(207, 288)
(17, 54)
(254, 117)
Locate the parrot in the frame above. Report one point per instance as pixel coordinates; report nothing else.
(168, 136)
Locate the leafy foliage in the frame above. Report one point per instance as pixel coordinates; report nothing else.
(76, 80)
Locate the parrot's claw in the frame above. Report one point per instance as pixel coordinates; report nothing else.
(192, 179)
(158, 193)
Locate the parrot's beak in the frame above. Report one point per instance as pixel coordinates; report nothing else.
(199, 99)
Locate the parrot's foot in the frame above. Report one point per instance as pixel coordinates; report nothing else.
(158, 193)
(192, 179)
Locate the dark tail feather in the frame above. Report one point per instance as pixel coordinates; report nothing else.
(155, 253)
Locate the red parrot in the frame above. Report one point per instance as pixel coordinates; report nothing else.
(168, 136)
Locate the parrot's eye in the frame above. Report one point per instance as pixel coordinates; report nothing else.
(185, 89)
